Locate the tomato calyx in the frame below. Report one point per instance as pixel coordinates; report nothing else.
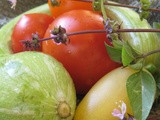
(33, 44)
(59, 35)
(55, 3)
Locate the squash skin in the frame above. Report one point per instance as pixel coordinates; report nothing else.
(102, 99)
(35, 86)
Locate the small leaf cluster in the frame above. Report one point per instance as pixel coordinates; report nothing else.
(144, 9)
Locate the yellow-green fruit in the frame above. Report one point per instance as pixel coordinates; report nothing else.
(105, 96)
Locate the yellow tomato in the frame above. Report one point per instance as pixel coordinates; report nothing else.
(105, 96)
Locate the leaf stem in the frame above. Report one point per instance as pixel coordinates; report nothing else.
(149, 53)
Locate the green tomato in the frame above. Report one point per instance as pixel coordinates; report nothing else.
(35, 86)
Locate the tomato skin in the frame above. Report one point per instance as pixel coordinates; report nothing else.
(67, 5)
(28, 24)
(85, 56)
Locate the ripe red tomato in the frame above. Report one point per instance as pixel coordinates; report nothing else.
(85, 56)
(67, 5)
(28, 24)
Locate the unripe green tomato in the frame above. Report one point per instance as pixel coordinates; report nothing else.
(105, 96)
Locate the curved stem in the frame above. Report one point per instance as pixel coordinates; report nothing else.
(149, 53)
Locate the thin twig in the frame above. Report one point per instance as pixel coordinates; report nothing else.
(137, 30)
(117, 31)
(128, 6)
(149, 53)
(86, 32)
(124, 5)
(103, 31)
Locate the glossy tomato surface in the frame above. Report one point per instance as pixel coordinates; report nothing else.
(27, 25)
(85, 56)
(67, 5)
(107, 94)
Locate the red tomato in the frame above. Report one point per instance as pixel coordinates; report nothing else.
(27, 25)
(67, 5)
(85, 56)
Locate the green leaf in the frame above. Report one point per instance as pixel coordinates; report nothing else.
(118, 44)
(145, 4)
(127, 54)
(156, 25)
(138, 65)
(144, 14)
(141, 89)
(114, 53)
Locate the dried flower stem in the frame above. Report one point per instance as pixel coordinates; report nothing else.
(124, 5)
(103, 31)
(54, 37)
(128, 6)
(137, 30)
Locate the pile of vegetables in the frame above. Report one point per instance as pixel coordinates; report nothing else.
(80, 60)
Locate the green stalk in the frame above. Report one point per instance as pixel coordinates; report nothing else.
(103, 10)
